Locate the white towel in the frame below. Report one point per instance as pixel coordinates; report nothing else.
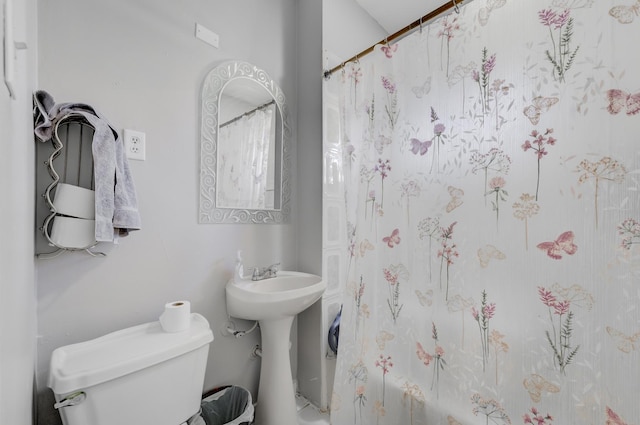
(116, 202)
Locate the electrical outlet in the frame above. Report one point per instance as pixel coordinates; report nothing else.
(134, 145)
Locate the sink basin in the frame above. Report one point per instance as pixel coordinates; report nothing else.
(285, 295)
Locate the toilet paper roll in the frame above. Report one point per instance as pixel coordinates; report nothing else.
(75, 201)
(69, 232)
(176, 316)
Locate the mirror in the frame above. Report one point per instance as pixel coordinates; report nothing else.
(245, 147)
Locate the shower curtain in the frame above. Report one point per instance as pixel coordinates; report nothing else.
(490, 167)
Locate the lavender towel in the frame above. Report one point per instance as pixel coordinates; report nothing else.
(116, 203)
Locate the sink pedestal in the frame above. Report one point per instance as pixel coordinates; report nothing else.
(276, 395)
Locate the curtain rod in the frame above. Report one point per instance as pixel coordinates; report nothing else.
(415, 24)
(239, 117)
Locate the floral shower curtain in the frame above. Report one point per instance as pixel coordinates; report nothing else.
(490, 162)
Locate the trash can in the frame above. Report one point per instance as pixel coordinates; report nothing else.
(228, 406)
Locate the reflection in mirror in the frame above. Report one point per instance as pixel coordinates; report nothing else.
(247, 146)
(245, 164)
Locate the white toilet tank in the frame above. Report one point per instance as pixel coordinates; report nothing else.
(138, 375)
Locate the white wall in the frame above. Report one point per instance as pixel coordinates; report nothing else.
(139, 64)
(17, 295)
(346, 31)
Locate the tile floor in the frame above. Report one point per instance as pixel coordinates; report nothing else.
(308, 414)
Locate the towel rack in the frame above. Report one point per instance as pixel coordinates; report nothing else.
(76, 169)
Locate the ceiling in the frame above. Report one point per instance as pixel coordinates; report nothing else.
(397, 14)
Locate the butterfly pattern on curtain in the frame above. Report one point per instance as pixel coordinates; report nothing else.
(492, 204)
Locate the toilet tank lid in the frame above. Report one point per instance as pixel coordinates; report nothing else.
(85, 364)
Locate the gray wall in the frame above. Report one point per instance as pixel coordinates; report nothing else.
(309, 52)
(17, 291)
(139, 64)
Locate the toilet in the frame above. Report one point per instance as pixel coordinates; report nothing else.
(138, 375)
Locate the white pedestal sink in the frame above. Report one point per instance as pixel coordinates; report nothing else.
(274, 303)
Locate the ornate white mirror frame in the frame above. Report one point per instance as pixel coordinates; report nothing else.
(214, 83)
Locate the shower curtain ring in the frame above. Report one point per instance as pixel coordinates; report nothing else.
(455, 6)
(421, 25)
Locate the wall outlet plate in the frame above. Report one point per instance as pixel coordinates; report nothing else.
(206, 35)
(134, 145)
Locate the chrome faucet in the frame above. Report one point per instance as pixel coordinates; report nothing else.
(265, 272)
